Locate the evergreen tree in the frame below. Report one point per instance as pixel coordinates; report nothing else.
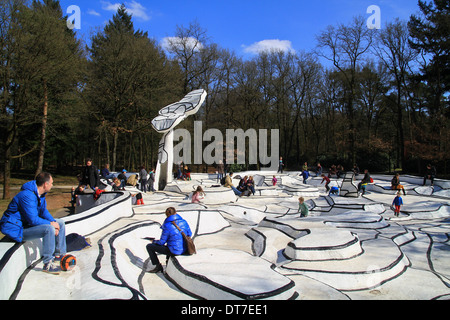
(430, 36)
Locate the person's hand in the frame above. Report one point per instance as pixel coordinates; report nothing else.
(56, 226)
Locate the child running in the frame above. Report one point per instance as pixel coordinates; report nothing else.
(325, 178)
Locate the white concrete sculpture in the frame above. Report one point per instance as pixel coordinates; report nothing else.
(166, 121)
(348, 188)
(256, 247)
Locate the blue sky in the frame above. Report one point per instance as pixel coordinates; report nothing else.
(244, 26)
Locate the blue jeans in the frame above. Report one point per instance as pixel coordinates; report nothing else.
(236, 191)
(144, 185)
(51, 245)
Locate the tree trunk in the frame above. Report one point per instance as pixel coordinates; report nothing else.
(114, 155)
(40, 162)
(7, 173)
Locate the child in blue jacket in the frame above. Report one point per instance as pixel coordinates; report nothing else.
(397, 203)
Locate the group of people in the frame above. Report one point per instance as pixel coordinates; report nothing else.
(245, 187)
(183, 172)
(89, 180)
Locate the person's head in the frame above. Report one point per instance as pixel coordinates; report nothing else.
(301, 199)
(89, 162)
(198, 190)
(170, 211)
(231, 174)
(44, 182)
(398, 194)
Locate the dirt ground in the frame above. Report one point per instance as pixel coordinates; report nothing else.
(58, 203)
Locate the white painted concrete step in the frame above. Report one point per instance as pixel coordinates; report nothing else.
(219, 274)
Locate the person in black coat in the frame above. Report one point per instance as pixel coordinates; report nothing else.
(430, 173)
(90, 175)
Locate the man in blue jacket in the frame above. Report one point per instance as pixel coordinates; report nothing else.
(170, 235)
(27, 218)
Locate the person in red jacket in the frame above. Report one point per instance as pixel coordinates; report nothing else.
(325, 178)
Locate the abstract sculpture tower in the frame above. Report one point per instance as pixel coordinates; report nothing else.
(166, 121)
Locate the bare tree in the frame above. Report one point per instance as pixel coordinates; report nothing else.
(393, 49)
(345, 46)
(189, 47)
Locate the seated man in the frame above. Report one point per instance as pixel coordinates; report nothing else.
(229, 184)
(27, 218)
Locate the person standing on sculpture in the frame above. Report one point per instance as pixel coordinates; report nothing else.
(362, 185)
(220, 170)
(151, 180)
(27, 218)
(90, 175)
(397, 203)
(318, 170)
(280, 165)
(143, 179)
(430, 173)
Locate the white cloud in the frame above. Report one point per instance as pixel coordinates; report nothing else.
(134, 8)
(93, 13)
(190, 43)
(269, 45)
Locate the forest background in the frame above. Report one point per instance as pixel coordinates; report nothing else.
(381, 102)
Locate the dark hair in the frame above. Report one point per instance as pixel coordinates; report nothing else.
(170, 211)
(42, 178)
